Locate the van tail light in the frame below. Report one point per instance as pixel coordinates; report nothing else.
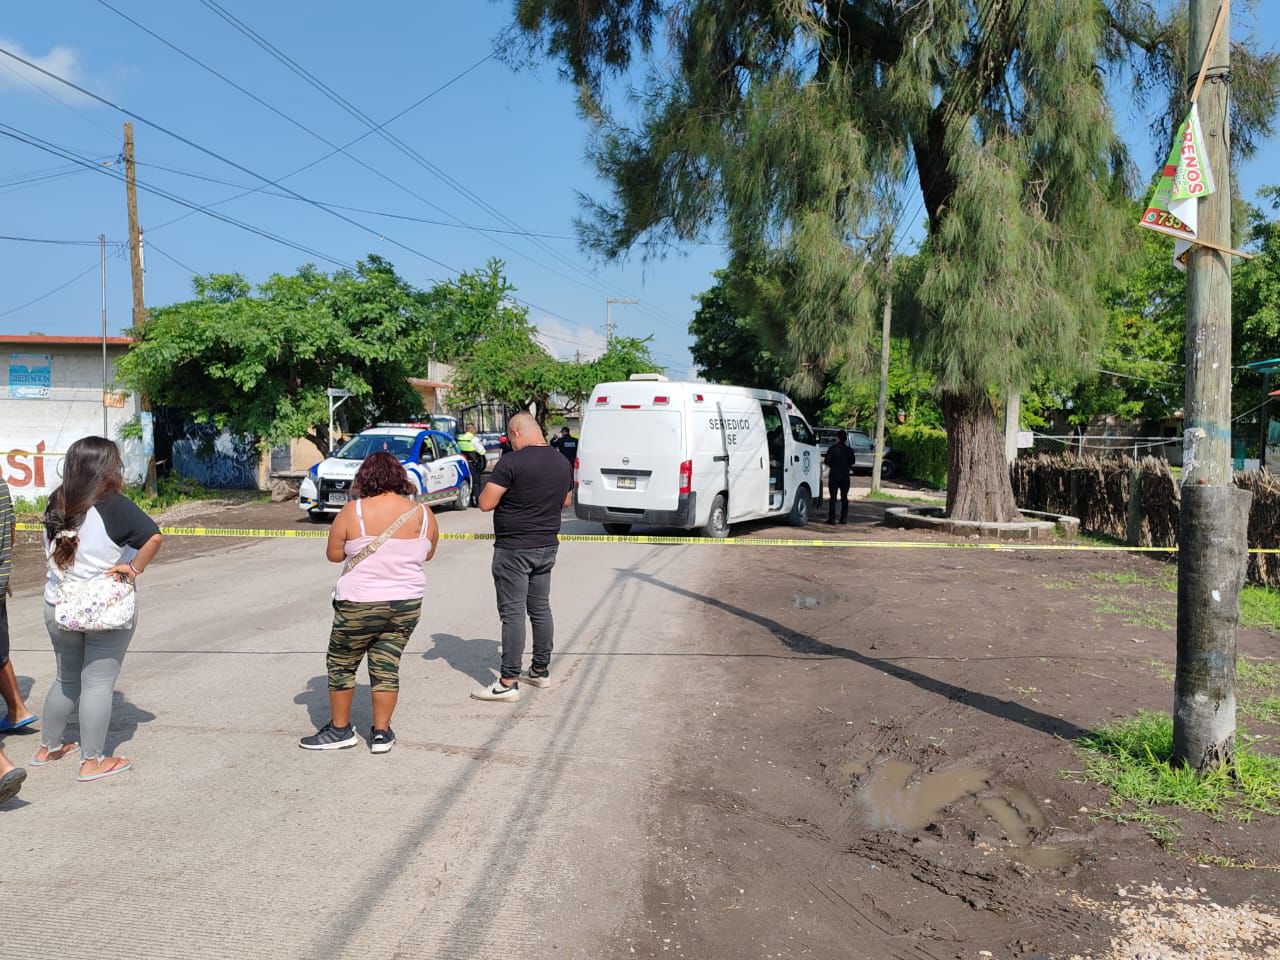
(686, 477)
(661, 401)
(602, 400)
(577, 465)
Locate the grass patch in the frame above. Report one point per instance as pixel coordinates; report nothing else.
(894, 498)
(1126, 577)
(1132, 758)
(1260, 607)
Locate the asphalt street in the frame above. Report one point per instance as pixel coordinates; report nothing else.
(492, 830)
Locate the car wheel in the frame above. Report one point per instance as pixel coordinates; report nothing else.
(463, 499)
(800, 509)
(617, 529)
(717, 526)
(887, 469)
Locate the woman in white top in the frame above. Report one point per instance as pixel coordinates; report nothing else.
(91, 530)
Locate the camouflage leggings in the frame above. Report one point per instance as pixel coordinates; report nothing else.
(379, 630)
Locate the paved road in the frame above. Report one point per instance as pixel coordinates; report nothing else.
(492, 830)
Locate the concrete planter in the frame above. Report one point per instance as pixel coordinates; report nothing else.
(1037, 526)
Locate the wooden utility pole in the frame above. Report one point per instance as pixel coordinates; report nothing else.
(135, 234)
(135, 273)
(1213, 523)
(883, 399)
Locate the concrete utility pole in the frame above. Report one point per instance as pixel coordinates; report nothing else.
(608, 316)
(883, 399)
(1213, 523)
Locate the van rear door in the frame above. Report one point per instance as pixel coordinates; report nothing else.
(630, 458)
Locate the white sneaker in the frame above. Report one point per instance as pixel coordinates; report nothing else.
(497, 691)
(536, 678)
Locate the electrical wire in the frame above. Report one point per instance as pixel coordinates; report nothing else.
(44, 296)
(64, 243)
(151, 245)
(592, 280)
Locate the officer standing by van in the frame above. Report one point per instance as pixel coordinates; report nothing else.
(567, 444)
(839, 461)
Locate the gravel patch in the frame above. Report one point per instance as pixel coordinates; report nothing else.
(1152, 923)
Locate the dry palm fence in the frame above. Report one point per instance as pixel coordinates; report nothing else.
(1137, 502)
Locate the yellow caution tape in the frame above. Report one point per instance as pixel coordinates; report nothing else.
(31, 453)
(1007, 546)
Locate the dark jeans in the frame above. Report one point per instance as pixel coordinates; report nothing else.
(523, 582)
(837, 485)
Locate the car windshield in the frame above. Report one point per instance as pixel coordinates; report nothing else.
(359, 447)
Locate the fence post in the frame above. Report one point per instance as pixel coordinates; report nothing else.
(1073, 490)
(1133, 520)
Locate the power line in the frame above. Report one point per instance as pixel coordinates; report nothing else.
(63, 243)
(331, 94)
(14, 134)
(168, 256)
(44, 296)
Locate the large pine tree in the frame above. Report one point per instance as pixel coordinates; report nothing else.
(792, 124)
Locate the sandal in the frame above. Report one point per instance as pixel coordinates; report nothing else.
(121, 765)
(11, 783)
(61, 752)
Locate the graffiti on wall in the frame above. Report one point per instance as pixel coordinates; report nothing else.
(213, 457)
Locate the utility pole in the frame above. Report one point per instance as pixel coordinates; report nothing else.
(608, 316)
(135, 273)
(1214, 517)
(135, 233)
(883, 399)
(102, 260)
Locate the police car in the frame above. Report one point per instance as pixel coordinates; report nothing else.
(436, 467)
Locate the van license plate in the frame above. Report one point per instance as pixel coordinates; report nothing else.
(337, 498)
(626, 483)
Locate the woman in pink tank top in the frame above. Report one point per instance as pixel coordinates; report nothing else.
(382, 539)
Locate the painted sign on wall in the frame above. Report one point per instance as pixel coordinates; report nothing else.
(30, 376)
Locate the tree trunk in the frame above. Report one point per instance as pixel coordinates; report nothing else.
(978, 484)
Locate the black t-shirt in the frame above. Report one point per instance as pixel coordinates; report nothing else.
(568, 446)
(840, 460)
(528, 515)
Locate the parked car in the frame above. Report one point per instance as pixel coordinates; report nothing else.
(435, 464)
(864, 450)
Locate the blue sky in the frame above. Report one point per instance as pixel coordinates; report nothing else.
(511, 140)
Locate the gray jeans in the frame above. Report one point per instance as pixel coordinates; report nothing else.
(88, 664)
(523, 582)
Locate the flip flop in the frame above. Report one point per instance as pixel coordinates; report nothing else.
(65, 748)
(7, 727)
(11, 783)
(127, 765)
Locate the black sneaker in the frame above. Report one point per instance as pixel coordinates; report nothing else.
(381, 741)
(330, 737)
(537, 677)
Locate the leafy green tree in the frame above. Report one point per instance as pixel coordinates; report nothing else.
(729, 334)
(791, 126)
(258, 362)
(1255, 312)
(623, 357)
(459, 313)
(852, 402)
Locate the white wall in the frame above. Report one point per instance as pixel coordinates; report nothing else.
(50, 424)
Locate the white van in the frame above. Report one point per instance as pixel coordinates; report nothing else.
(692, 455)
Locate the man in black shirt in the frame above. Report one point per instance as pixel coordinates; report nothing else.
(527, 491)
(567, 444)
(839, 460)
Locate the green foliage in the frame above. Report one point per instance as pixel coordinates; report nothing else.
(923, 451)
(457, 314)
(1133, 757)
(1260, 607)
(729, 336)
(258, 363)
(851, 402)
(789, 125)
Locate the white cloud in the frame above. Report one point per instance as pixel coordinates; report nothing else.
(62, 61)
(566, 341)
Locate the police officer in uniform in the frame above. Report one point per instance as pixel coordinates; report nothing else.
(839, 461)
(473, 449)
(567, 444)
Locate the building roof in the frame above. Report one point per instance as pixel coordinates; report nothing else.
(429, 384)
(36, 340)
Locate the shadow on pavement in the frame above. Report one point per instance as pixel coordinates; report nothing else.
(477, 659)
(316, 699)
(803, 643)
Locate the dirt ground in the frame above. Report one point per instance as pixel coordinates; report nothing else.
(880, 773)
(876, 761)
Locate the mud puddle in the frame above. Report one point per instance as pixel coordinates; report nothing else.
(897, 796)
(802, 602)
